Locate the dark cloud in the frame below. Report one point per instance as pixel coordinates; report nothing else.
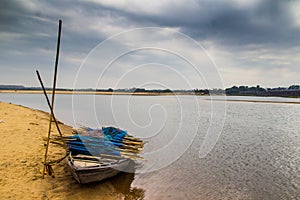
(269, 22)
(38, 25)
(28, 29)
(266, 22)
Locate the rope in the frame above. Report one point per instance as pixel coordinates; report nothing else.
(48, 166)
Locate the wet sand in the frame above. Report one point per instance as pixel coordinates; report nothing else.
(22, 152)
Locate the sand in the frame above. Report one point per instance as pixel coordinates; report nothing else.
(21, 155)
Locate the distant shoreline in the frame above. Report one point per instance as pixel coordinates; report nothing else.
(255, 101)
(145, 94)
(95, 93)
(82, 92)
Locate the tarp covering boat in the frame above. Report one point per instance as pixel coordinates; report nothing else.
(97, 154)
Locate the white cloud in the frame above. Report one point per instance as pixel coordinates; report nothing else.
(233, 33)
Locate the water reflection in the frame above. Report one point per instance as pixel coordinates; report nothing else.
(122, 183)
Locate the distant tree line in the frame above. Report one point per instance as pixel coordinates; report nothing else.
(244, 90)
(104, 90)
(291, 91)
(143, 90)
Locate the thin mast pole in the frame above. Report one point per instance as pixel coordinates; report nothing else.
(53, 94)
(56, 63)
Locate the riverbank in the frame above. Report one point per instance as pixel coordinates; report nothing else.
(254, 101)
(22, 152)
(92, 92)
(87, 92)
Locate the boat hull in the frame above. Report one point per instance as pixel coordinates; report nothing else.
(96, 172)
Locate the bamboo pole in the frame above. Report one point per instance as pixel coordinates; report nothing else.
(53, 94)
(49, 105)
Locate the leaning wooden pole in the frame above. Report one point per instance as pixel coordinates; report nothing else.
(53, 93)
(48, 102)
(53, 117)
(56, 63)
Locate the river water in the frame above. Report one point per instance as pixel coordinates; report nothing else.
(197, 148)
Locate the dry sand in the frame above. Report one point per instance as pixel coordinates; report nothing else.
(21, 155)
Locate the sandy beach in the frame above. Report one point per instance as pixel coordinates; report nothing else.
(22, 151)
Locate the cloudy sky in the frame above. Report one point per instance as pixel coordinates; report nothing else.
(163, 44)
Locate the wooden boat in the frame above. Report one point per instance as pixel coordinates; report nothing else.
(86, 169)
(97, 154)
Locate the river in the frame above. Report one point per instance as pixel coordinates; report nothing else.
(198, 148)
